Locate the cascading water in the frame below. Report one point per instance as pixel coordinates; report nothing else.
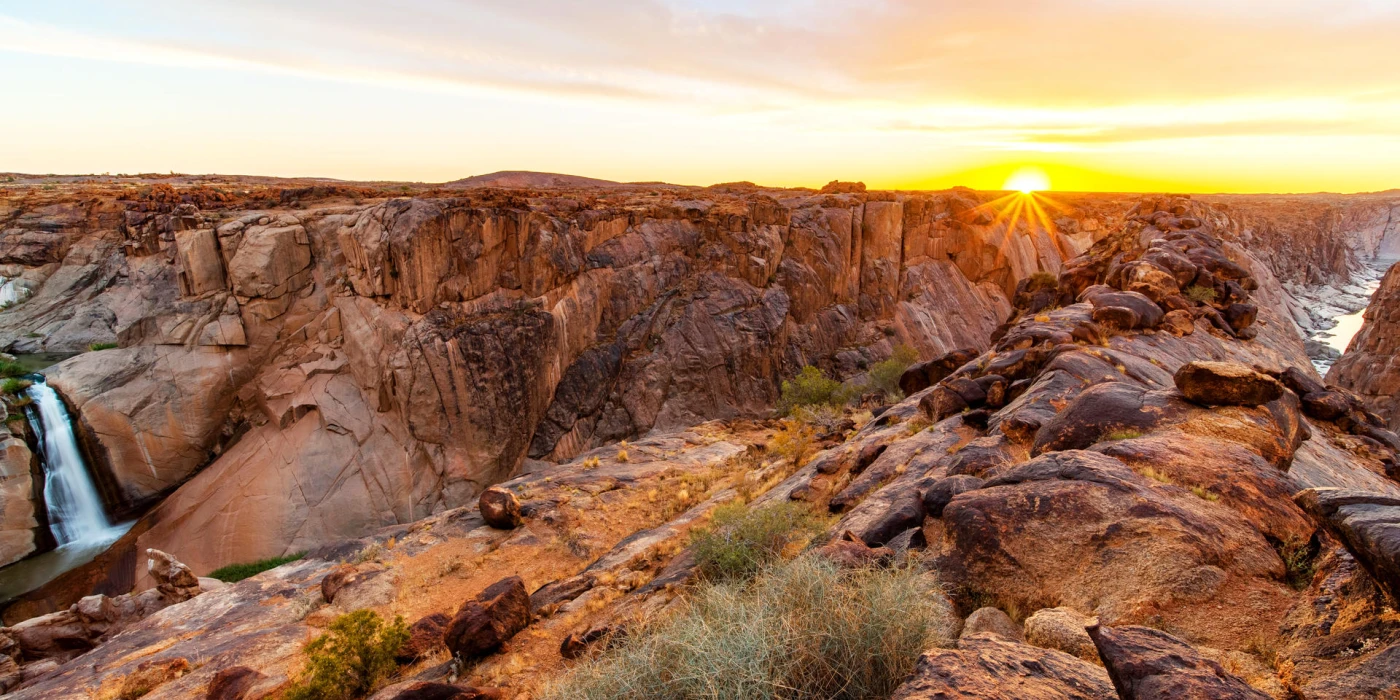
(75, 510)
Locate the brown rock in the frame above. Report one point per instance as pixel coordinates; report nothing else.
(850, 552)
(1115, 317)
(986, 667)
(942, 402)
(424, 636)
(1325, 405)
(233, 683)
(1179, 323)
(925, 374)
(488, 621)
(991, 621)
(500, 509)
(444, 691)
(151, 675)
(940, 492)
(1226, 384)
(1149, 664)
(1062, 629)
(173, 579)
(336, 580)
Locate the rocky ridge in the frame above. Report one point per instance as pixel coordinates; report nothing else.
(1121, 457)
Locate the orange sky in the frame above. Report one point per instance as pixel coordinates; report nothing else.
(1278, 96)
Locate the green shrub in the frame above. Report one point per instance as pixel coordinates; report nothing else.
(1197, 293)
(352, 659)
(10, 368)
(801, 629)
(12, 386)
(234, 573)
(1042, 280)
(101, 346)
(811, 387)
(884, 375)
(1299, 560)
(740, 540)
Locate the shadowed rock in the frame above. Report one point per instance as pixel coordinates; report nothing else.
(987, 667)
(925, 374)
(500, 509)
(486, 622)
(1149, 664)
(991, 621)
(1367, 523)
(233, 683)
(424, 637)
(1226, 384)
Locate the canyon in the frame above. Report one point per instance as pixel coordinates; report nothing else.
(336, 368)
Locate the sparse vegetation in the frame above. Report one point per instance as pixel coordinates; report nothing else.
(101, 346)
(1155, 475)
(801, 629)
(811, 387)
(10, 368)
(1202, 492)
(1299, 560)
(237, 572)
(884, 375)
(794, 441)
(591, 463)
(740, 540)
(1200, 294)
(1042, 280)
(1123, 434)
(352, 659)
(622, 456)
(13, 386)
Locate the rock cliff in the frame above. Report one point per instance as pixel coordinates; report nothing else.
(1369, 366)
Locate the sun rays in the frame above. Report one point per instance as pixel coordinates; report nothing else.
(1025, 203)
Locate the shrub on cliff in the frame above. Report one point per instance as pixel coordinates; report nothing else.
(801, 629)
(741, 540)
(352, 659)
(811, 387)
(884, 375)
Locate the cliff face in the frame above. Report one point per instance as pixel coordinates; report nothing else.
(1370, 367)
(1119, 452)
(304, 372)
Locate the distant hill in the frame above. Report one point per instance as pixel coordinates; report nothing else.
(526, 178)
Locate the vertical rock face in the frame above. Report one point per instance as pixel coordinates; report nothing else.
(23, 525)
(1370, 367)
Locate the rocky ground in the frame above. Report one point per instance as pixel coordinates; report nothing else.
(1128, 489)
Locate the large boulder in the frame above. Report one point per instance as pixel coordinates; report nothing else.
(987, 667)
(991, 621)
(1367, 523)
(488, 621)
(1226, 384)
(500, 508)
(1062, 629)
(925, 374)
(1149, 664)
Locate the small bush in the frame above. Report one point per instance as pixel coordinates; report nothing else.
(14, 385)
(794, 441)
(1200, 294)
(1299, 561)
(884, 375)
(10, 368)
(352, 659)
(622, 456)
(740, 540)
(234, 573)
(101, 346)
(802, 629)
(1042, 280)
(811, 387)
(591, 463)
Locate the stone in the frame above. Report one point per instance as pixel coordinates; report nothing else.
(150, 675)
(485, 623)
(991, 621)
(1226, 384)
(442, 691)
(1367, 523)
(942, 402)
(940, 492)
(1149, 664)
(424, 636)
(1179, 323)
(905, 512)
(233, 683)
(925, 374)
(173, 579)
(336, 580)
(1062, 629)
(1325, 405)
(850, 552)
(1118, 318)
(987, 667)
(500, 509)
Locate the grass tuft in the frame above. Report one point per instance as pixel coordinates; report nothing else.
(1124, 434)
(1200, 294)
(352, 659)
(234, 573)
(740, 540)
(801, 629)
(811, 387)
(101, 346)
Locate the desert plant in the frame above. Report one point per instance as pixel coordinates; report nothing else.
(801, 629)
(741, 540)
(94, 347)
(811, 387)
(884, 375)
(591, 462)
(1299, 562)
(1203, 493)
(794, 441)
(1200, 294)
(237, 572)
(352, 659)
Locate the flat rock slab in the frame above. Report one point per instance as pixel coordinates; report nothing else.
(988, 667)
(1367, 523)
(1149, 664)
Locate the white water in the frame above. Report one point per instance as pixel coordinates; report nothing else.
(76, 516)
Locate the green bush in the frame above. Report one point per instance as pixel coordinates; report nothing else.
(1042, 280)
(811, 387)
(352, 659)
(234, 573)
(101, 346)
(10, 368)
(884, 375)
(14, 385)
(740, 540)
(1197, 293)
(801, 629)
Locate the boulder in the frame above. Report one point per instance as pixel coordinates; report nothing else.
(1118, 318)
(850, 552)
(488, 621)
(904, 512)
(940, 492)
(987, 667)
(1367, 523)
(991, 621)
(500, 509)
(1179, 323)
(1149, 664)
(233, 683)
(925, 374)
(424, 637)
(942, 402)
(1325, 405)
(1226, 384)
(173, 579)
(420, 690)
(1062, 629)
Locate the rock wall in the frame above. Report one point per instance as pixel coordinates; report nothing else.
(1370, 367)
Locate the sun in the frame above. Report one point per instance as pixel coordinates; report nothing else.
(1028, 179)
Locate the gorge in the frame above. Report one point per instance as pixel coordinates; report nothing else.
(327, 368)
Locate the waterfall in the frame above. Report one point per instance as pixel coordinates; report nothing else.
(75, 510)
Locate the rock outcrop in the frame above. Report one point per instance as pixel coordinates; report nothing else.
(1369, 368)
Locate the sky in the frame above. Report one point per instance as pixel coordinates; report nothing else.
(1112, 95)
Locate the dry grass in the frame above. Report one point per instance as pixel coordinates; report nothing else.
(801, 629)
(794, 441)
